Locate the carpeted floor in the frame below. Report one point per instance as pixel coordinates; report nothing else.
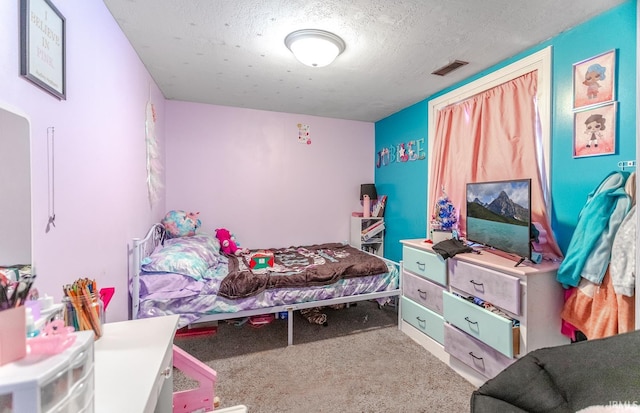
(360, 362)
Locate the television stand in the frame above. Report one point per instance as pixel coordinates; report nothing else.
(513, 257)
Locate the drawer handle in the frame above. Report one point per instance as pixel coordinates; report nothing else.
(421, 265)
(477, 284)
(421, 320)
(474, 356)
(471, 322)
(79, 360)
(423, 294)
(166, 372)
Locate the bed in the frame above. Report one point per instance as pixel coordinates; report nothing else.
(190, 277)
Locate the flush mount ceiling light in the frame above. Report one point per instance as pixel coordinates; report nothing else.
(316, 48)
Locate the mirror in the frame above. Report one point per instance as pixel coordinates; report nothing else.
(15, 190)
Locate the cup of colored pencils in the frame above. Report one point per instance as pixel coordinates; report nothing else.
(83, 308)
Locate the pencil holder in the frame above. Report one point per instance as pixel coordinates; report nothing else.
(13, 340)
(84, 314)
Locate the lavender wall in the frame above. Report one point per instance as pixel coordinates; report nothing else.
(100, 188)
(246, 171)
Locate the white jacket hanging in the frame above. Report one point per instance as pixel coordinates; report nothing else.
(623, 256)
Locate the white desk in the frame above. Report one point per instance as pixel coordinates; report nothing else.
(133, 366)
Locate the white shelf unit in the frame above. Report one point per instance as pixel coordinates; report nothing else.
(375, 244)
(62, 382)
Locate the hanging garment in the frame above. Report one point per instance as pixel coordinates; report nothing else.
(630, 187)
(589, 251)
(598, 311)
(623, 256)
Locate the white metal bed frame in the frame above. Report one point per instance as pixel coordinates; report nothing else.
(143, 247)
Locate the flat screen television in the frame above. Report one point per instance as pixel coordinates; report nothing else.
(499, 215)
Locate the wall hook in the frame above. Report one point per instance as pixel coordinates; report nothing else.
(50, 179)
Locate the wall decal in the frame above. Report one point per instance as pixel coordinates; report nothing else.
(304, 136)
(403, 152)
(154, 163)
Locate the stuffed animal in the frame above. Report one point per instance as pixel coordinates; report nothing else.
(178, 223)
(228, 245)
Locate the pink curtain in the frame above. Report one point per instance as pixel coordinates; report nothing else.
(492, 137)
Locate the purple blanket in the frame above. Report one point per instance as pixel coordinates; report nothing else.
(297, 267)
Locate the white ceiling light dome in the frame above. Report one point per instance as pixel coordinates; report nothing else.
(313, 47)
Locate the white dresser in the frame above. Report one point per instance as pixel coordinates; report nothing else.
(478, 312)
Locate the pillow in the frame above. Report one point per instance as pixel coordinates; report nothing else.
(162, 286)
(190, 256)
(178, 223)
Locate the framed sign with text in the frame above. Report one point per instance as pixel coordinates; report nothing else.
(42, 46)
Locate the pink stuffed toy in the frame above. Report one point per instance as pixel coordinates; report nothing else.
(227, 244)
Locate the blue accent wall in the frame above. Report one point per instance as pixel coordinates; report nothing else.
(404, 183)
(572, 179)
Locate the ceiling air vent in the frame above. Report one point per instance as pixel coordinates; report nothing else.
(449, 68)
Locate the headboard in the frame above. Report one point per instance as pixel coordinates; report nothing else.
(143, 248)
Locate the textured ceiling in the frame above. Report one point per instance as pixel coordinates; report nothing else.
(232, 52)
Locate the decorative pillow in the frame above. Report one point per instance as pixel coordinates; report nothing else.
(178, 223)
(190, 256)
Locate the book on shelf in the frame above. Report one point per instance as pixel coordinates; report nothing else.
(373, 231)
(372, 226)
(378, 208)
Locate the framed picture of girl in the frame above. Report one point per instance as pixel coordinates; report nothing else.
(594, 80)
(594, 130)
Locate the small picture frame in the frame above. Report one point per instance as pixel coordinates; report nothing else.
(42, 46)
(594, 80)
(594, 130)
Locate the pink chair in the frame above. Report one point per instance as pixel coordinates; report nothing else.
(200, 399)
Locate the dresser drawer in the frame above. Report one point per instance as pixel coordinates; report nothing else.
(425, 264)
(474, 353)
(423, 292)
(82, 393)
(423, 319)
(499, 289)
(81, 362)
(492, 329)
(54, 390)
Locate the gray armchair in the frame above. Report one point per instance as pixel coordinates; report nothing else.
(566, 378)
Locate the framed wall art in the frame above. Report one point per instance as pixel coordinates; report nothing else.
(42, 46)
(594, 80)
(594, 130)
